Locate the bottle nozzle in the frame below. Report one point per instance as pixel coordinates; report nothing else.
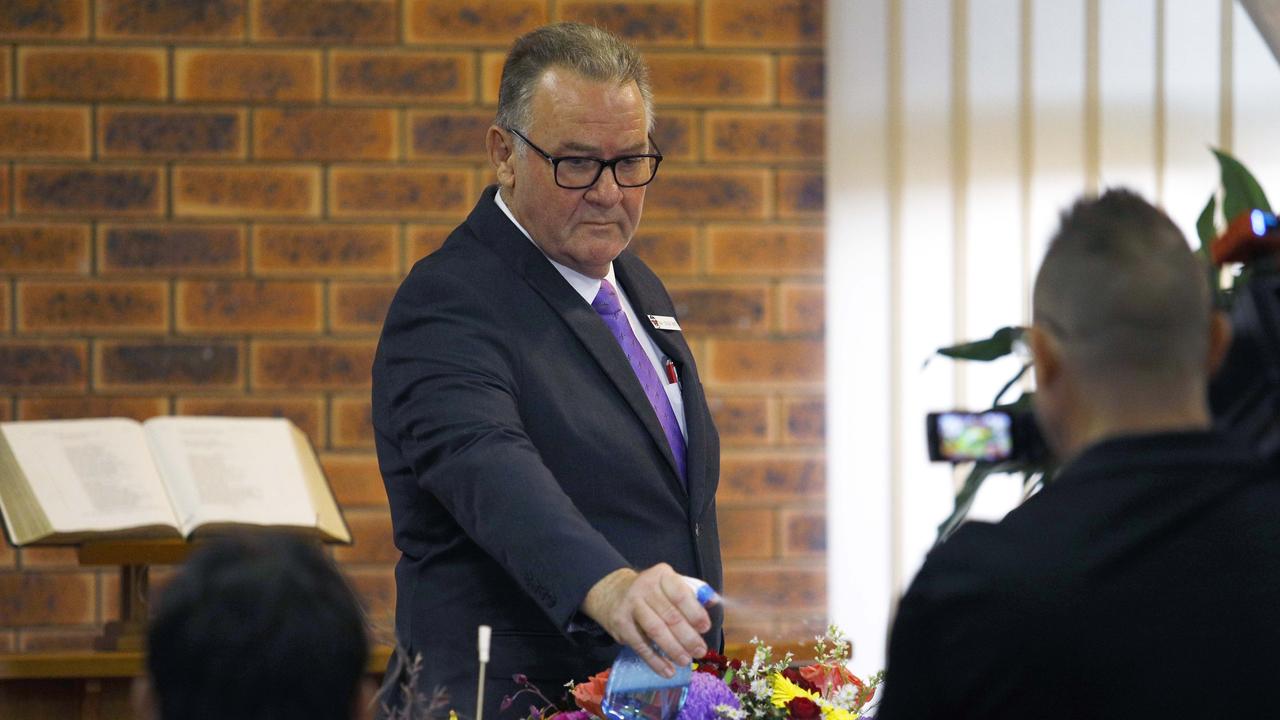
(707, 596)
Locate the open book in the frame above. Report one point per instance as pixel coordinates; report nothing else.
(65, 481)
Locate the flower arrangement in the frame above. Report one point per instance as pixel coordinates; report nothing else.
(724, 688)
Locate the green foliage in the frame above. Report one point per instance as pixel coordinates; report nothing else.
(1240, 190)
(994, 347)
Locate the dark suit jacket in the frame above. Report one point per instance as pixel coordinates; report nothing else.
(523, 462)
(1143, 583)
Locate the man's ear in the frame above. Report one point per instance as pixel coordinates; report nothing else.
(1220, 335)
(501, 155)
(1046, 357)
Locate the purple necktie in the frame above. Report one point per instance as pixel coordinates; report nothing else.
(610, 310)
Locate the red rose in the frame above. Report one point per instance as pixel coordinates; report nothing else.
(802, 708)
(589, 694)
(802, 681)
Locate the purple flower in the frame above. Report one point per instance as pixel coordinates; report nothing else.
(706, 691)
(573, 715)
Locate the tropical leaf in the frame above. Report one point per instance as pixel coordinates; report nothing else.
(1240, 191)
(996, 346)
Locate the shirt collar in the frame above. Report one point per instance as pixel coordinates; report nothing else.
(584, 285)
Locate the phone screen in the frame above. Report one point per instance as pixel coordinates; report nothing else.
(971, 436)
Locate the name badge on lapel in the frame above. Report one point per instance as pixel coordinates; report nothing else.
(664, 322)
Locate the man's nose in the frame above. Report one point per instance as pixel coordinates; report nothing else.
(606, 190)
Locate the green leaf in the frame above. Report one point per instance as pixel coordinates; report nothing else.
(1240, 191)
(996, 346)
(1204, 226)
(964, 499)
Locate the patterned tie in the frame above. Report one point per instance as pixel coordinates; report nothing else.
(610, 310)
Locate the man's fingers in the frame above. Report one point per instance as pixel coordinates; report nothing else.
(655, 626)
(683, 598)
(660, 664)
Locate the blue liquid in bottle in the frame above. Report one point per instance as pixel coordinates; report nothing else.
(636, 692)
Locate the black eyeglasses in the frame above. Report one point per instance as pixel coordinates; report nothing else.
(573, 172)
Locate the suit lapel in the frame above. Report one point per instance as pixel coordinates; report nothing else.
(495, 230)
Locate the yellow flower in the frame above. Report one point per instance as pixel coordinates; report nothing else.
(453, 715)
(784, 691)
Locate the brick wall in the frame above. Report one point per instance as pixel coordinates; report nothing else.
(205, 206)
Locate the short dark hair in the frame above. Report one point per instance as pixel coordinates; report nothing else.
(592, 52)
(257, 626)
(1124, 294)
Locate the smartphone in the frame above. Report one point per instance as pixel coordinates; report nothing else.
(958, 436)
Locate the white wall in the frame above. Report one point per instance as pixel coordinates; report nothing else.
(957, 130)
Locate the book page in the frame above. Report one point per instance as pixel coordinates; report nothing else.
(90, 475)
(231, 470)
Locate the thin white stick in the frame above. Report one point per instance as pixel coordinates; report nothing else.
(483, 647)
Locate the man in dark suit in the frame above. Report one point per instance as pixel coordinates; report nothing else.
(548, 453)
(1144, 581)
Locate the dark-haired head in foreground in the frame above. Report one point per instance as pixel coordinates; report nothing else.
(255, 627)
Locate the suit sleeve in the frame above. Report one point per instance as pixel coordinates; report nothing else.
(451, 383)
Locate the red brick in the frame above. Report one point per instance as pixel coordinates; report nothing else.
(168, 132)
(48, 558)
(763, 23)
(471, 21)
(8, 553)
(767, 361)
(44, 248)
(44, 131)
(801, 194)
(114, 74)
(327, 251)
(771, 478)
(249, 306)
(311, 365)
(246, 190)
(746, 533)
(741, 420)
(5, 202)
(741, 626)
(91, 307)
(171, 19)
(371, 538)
(784, 588)
(47, 599)
(396, 76)
(711, 80)
(91, 406)
(334, 21)
(764, 137)
(708, 194)
(376, 588)
(6, 289)
(667, 249)
(765, 250)
(8, 642)
(171, 249)
(359, 307)
(43, 365)
(424, 240)
(396, 193)
(352, 422)
(801, 627)
(804, 420)
(676, 135)
(304, 411)
(325, 134)
(722, 308)
(643, 23)
(247, 75)
(803, 309)
(804, 533)
(115, 190)
(802, 80)
(134, 365)
(52, 19)
(448, 134)
(355, 479)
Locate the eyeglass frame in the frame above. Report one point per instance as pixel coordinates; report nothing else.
(555, 161)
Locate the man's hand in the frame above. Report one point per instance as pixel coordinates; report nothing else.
(654, 607)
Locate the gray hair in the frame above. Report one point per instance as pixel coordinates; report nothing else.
(592, 52)
(1124, 294)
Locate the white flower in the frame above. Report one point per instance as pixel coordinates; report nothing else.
(731, 713)
(761, 688)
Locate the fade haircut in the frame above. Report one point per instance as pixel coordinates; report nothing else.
(587, 50)
(257, 627)
(1124, 295)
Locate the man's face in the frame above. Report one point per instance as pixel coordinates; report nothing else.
(571, 115)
